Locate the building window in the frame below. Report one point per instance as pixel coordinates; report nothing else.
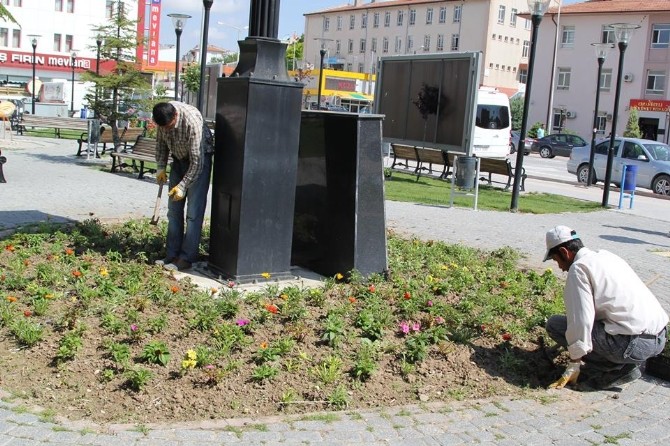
(385, 45)
(16, 38)
(606, 79)
(375, 20)
(412, 17)
(608, 35)
(440, 42)
(493, 37)
(70, 6)
(109, 9)
(348, 66)
(660, 36)
(457, 14)
(506, 39)
(401, 17)
(443, 14)
(410, 43)
(326, 23)
(361, 67)
(350, 46)
(501, 14)
(4, 37)
(68, 43)
(455, 38)
(364, 20)
(338, 46)
(361, 46)
(558, 120)
(525, 49)
(398, 44)
(387, 19)
(527, 25)
(655, 82)
(499, 37)
(429, 16)
(338, 23)
(58, 5)
(512, 17)
(563, 82)
(426, 43)
(568, 37)
(18, 3)
(373, 45)
(523, 75)
(352, 21)
(57, 42)
(601, 124)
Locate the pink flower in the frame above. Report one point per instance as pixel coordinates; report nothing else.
(209, 367)
(231, 284)
(242, 322)
(416, 326)
(439, 320)
(429, 303)
(134, 327)
(404, 327)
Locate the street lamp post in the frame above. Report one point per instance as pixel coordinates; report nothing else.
(98, 43)
(73, 59)
(623, 33)
(322, 53)
(178, 20)
(239, 30)
(537, 10)
(203, 55)
(33, 41)
(601, 53)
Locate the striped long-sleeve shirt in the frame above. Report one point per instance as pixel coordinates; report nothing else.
(183, 141)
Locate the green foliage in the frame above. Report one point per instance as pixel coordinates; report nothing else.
(26, 332)
(156, 352)
(295, 53)
(329, 370)
(516, 109)
(69, 344)
(191, 78)
(416, 348)
(264, 372)
(365, 362)
(532, 132)
(333, 330)
(633, 125)
(339, 398)
(138, 378)
(119, 352)
(6, 15)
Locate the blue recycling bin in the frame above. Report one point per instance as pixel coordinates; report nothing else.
(630, 178)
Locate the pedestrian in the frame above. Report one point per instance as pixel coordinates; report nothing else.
(540, 131)
(183, 135)
(613, 322)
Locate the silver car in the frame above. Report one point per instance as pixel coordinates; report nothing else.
(652, 159)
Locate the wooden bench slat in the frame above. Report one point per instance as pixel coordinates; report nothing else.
(126, 136)
(144, 150)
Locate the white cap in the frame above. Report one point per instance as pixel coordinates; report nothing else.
(557, 236)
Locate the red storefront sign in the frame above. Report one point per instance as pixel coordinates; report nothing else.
(650, 105)
(154, 32)
(18, 59)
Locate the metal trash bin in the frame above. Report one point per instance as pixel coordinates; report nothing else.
(466, 169)
(630, 179)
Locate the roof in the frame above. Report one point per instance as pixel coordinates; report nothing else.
(612, 6)
(375, 4)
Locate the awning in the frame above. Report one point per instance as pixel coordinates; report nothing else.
(355, 96)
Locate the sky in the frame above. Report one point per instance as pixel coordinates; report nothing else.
(234, 13)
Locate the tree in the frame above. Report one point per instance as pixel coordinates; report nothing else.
(295, 52)
(6, 15)
(516, 109)
(124, 91)
(191, 78)
(632, 126)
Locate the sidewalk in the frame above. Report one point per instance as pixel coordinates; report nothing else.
(46, 181)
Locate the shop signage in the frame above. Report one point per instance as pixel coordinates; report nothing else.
(154, 32)
(15, 59)
(333, 83)
(650, 105)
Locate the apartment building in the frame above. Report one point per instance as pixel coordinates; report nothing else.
(356, 35)
(564, 92)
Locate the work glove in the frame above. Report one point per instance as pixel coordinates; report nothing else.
(569, 376)
(177, 193)
(161, 177)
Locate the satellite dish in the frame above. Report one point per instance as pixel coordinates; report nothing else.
(6, 109)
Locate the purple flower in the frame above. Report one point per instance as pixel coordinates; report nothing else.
(134, 327)
(429, 303)
(404, 327)
(416, 326)
(242, 322)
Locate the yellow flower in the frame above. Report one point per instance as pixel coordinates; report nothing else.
(444, 267)
(264, 345)
(104, 272)
(283, 296)
(188, 364)
(191, 354)
(339, 276)
(265, 275)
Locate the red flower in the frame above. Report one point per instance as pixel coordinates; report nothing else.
(372, 288)
(27, 313)
(407, 295)
(352, 299)
(76, 273)
(507, 337)
(10, 248)
(174, 288)
(272, 308)
(11, 299)
(69, 251)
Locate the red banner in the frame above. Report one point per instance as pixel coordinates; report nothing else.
(52, 62)
(154, 32)
(652, 105)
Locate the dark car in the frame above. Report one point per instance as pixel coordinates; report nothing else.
(514, 143)
(557, 144)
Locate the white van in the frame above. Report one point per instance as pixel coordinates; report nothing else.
(493, 124)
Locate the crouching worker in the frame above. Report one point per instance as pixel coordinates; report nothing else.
(183, 135)
(613, 322)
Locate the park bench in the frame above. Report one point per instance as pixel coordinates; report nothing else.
(3, 160)
(57, 123)
(500, 166)
(403, 154)
(144, 150)
(126, 136)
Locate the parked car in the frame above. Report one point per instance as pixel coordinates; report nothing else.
(652, 159)
(514, 143)
(557, 144)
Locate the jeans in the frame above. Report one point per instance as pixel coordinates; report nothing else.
(179, 243)
(610, 352)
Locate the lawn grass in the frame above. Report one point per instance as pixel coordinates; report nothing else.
(404, 187)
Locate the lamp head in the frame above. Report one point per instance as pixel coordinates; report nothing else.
(602, 49)
(98, 40)
(73, 53)
(538, 7)
(33, 39)
(207, 3)
(179, 21)
(623, 31)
